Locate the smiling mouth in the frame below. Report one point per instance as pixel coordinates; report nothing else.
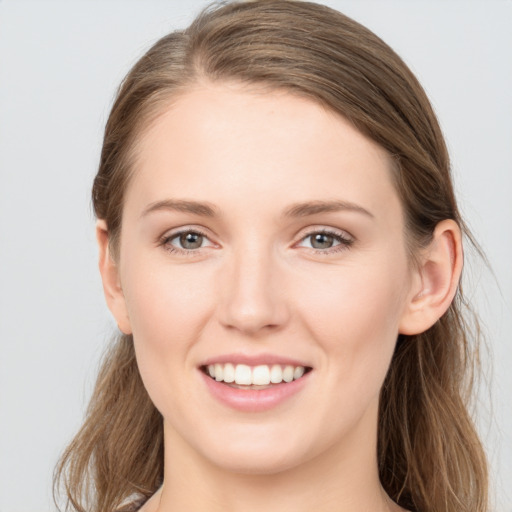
(261, 377)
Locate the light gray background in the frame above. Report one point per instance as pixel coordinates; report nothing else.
(60, 63)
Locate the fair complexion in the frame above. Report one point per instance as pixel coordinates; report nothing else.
(296, 255)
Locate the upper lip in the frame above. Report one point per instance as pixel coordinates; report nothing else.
(254, 360)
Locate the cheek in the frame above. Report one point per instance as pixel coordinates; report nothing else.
(355, 319)
(166, 305)
(168, 308)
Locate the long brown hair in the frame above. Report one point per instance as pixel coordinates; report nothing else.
(430, 457)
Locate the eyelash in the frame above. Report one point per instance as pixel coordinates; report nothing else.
(165, 242)
(344, 242)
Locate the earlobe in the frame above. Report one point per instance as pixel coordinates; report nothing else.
(109, 271)
(436, 280)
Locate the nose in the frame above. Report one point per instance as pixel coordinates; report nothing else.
(252, 295)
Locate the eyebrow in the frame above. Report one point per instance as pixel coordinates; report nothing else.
(205, 209)
(183, 205)
(314, 207)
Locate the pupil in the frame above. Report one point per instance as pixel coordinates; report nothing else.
(191, 240)
(322, 241)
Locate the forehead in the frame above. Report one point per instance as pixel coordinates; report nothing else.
(257, 149)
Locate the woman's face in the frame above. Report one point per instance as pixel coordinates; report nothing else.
(261, 231)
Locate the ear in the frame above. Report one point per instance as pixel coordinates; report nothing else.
(109, 271)
(435, 281)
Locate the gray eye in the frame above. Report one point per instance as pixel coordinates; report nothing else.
(321, 241)
(191, 240)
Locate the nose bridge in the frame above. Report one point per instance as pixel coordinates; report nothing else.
(252, 292)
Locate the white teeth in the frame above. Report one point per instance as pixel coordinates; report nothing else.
(298, 372)
(219, 372)
(229, 373)
(276, 374)
(242, 374)
(288, 373)
(261, 375)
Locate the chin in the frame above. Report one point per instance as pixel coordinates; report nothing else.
(262, 453)
(257, 464)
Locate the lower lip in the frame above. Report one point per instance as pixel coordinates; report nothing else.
(254, 400)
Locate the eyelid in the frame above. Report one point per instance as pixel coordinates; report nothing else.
(165, 239)
(345, 239)
(311, 230)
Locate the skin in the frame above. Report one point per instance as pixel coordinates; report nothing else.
(257, 285)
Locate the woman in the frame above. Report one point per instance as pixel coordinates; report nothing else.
(281, 248)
